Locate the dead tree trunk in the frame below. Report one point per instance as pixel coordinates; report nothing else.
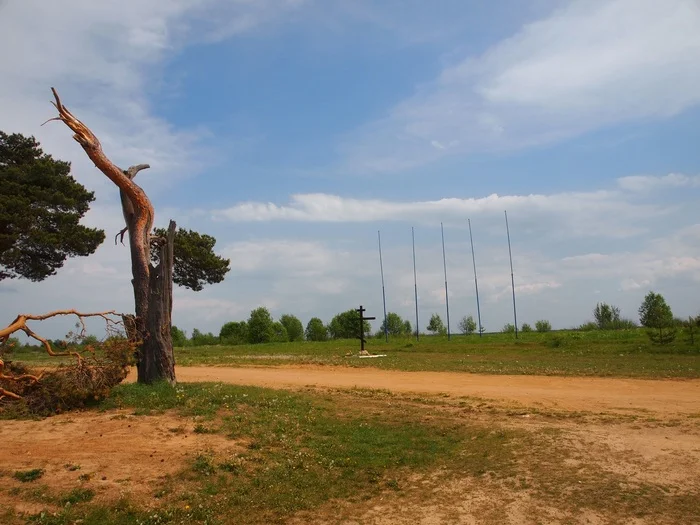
(156, 358)
(153, 285)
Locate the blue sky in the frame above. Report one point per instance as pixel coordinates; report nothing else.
(294, 130)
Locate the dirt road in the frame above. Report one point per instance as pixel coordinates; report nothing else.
(566, 393)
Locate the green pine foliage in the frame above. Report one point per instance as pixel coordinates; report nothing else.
(41, 206)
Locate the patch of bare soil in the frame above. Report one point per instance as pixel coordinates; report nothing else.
(115, 454)
(611, 435)
(580, 473)
(566, 393)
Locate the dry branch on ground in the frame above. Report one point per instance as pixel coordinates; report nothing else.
(113, 323)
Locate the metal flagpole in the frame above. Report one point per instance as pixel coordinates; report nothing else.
(476, 282)
(444, 265)
(512, 279)
(415, 280)
(381, 269)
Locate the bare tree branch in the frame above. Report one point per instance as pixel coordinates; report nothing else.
(140, 223)
(133, 170)
(111, 318)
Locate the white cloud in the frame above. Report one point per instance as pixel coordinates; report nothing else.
(667, 257)
(309, 265)
(591, 64)
(600, 213)
(106, 60)
(202, 309)
(646, 183)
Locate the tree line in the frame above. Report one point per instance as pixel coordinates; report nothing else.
(261, 327)
(654, 314)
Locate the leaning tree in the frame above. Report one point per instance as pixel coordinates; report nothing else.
(155, 259)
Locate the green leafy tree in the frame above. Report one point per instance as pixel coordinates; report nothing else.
(279, 333)
(543, 326)
(395, 325)
(606, 316)
(467, 325)
(195, 263)
(90, 341)
(295, 330)
(40, 210)
(234, 333)
(656, 315)
(508, 328)
(203, 339)
(346, 325)
(435, 325)
(691, 327)
(178, 336)
(526, 328)
(316, 330)
(260, 329)
(9, 345)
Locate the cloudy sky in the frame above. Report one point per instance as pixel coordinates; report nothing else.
(295, 130)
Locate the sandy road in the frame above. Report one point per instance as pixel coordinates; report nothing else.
(567, 393)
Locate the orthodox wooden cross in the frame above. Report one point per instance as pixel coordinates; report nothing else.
(362, 326)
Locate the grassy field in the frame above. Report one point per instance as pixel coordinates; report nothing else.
(621, 354)
(323, 455)
(627, 353)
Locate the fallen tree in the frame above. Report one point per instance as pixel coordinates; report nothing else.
(89, 377)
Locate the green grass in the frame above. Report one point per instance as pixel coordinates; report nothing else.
(26, 476)
(298, 451)
(623, 353)
(77, 495)
(570, 353)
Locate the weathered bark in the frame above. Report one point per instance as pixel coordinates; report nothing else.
(127, 206)
(151, 285)
(157, 358)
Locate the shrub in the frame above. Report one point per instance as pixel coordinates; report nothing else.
(543, 326)
(77, 495)
(656, 315)
(467, 325)
(200, 339)
(395, 325)
(436, 325)
(691, 327)
(508, 328)
(526, 328)
(26, 476)
(555, 342)
(234, 333)
(606, 316)
(624, 324)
